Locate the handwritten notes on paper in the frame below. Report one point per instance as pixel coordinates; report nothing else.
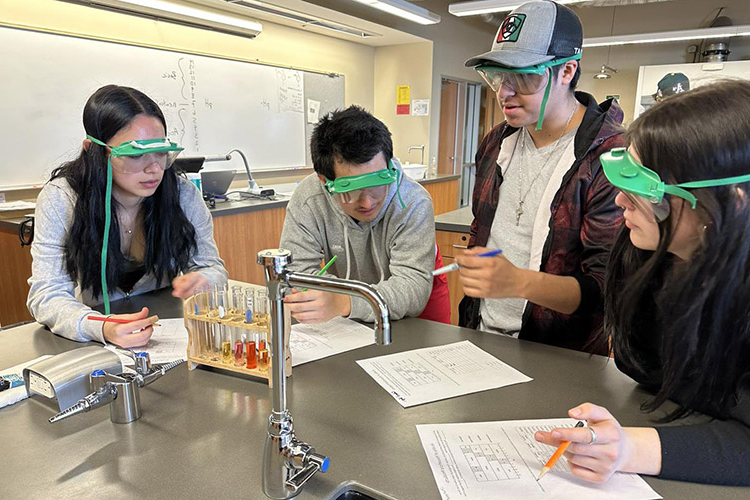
(434, 373)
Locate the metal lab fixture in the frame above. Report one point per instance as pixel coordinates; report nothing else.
(421, 148)
(120, 392)
(287, 462)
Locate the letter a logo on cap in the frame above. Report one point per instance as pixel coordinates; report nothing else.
(511, 28)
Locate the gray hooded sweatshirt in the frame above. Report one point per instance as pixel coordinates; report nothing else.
(395, 252)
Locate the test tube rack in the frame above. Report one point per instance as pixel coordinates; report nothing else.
(199, 326)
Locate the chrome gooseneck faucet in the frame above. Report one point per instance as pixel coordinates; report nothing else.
(287, 462)
(421, 148)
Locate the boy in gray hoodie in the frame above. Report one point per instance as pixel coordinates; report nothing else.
(360, 207)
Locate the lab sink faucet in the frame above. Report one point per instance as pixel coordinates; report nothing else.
(420, 147)
(287, 462)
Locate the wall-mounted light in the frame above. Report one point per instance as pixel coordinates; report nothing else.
(404, 9)
(164, 10)
(668, 36)
(476, 7)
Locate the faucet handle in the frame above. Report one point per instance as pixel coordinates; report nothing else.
(142, 362)
(314, 463)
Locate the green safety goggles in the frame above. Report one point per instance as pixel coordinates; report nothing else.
(351, 188)
(632, 178)
(525, 81)
(136, 156)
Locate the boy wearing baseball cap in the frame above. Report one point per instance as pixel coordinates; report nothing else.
(540, 194)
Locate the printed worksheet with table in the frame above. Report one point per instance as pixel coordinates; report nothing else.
(491, 460)
(434, 373)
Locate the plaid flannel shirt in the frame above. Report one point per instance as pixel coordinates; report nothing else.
(583, 226)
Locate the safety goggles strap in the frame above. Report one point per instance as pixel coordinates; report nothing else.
(97, 141)
(738, 179)
(677, 191)
(544, 100)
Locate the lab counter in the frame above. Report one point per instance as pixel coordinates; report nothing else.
(202, 432)
(457, 221)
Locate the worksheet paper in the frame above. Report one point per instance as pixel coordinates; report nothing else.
(492, 460)
(311, 342)
(168, 343)
(434, 373)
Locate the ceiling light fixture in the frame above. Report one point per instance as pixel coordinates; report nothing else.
(302, 18)
(404, 9)
(476, 7)
(164, 10)
(668, 36)
(604, 73)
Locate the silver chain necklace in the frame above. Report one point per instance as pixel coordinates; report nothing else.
(522, 198)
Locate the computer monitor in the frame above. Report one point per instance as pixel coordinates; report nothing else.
(189, 164)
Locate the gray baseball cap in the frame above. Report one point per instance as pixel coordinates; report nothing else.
(534, 33)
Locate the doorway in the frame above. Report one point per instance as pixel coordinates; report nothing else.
(461, 124)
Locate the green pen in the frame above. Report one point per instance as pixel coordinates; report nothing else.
(325, 268)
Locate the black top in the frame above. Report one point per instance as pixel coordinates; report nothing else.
(716, 452)
(132, 272)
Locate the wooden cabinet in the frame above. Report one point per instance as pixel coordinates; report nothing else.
(241, 236)
(444, 195)
(450, 245)
(16, 269)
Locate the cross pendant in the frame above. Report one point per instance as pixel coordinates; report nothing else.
(519, 213)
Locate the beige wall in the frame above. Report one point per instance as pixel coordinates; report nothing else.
(407, 64)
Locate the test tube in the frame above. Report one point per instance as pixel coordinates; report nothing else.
(214, 330)
(249, 306)
(239, 358)
(251, 355)
(262, 352)
(261, 306)
(203, 302)
(237, 303)
(224, 333)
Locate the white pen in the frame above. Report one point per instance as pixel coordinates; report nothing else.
(455, 266)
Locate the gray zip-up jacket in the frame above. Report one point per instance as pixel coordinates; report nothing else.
(395, 253)
(56, 301)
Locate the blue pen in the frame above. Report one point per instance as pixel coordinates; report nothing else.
(455, 266)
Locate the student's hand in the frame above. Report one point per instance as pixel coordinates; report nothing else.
(186, 285)
(133, 334)
(489, 277)
(315, 306)
(594, 462)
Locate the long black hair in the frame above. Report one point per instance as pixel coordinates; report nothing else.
(694, 316)
(170, 237)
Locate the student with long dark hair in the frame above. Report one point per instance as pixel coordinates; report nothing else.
(678, 294)
(160, 231)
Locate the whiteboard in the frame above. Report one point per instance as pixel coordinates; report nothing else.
(211, 105)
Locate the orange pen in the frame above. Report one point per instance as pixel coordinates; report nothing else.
(556, 456)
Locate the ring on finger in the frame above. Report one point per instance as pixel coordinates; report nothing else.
(593, 435)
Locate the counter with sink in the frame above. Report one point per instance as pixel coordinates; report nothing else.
(202, 432)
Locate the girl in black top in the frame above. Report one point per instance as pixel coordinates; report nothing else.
(677, 295)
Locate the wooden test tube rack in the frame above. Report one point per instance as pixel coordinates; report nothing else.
(193, 325)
